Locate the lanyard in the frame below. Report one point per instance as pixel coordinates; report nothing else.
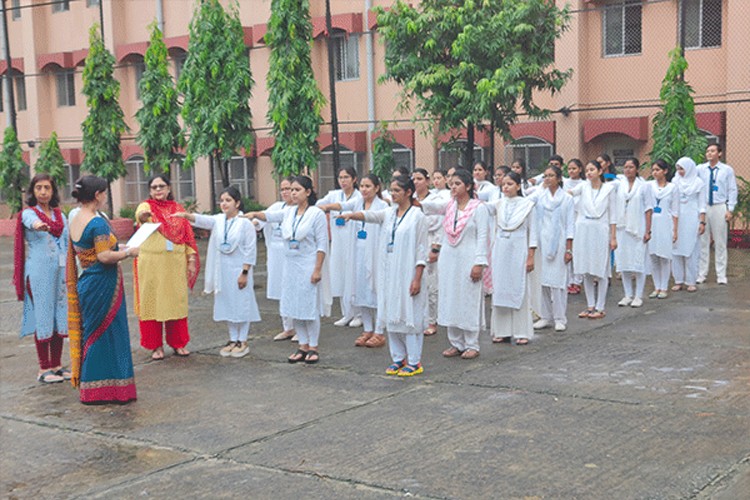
(455, 218)
(397, 222)
(296, 223)
(278, 226)
(228, 227)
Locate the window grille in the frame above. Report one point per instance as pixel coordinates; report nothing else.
(702, 23)
(622, 28)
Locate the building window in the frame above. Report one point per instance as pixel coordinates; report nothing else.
(61, 6)
(347, 158)
(532, 151)
(179, 58)
(403, 156)
(451, 155)
(140, 68)
(702, 23)
(346, 59)
(92, 3)
(183, 181)
(136, 181)
(620, 156)
(241, 176)
(16, 12)
(73, 173)
(622, 28)
(20, 82)
(66, 88)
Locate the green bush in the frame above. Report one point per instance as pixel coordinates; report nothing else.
(252, 205)
(127, 213)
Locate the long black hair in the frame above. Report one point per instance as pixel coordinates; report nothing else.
(375, 182)
(31, 198)
(405, 183)
(352, 173)
(306, 184)
(598, 167)
(662, 164)
(517, 179)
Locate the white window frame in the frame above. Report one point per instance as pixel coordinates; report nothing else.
(140, 182)
(620, 8)
(72, 173)
(326, 175)
(400, 149)
(246, 183)
(527, 143)
(458, 146)
(16, 12)
(346, 47)
(66, 87)
(701, 28)
(139, 67)
(92, 3)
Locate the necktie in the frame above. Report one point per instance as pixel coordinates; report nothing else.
(712, 171)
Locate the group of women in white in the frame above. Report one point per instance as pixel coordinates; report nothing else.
(404, 260)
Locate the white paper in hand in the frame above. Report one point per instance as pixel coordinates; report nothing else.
(146, 230)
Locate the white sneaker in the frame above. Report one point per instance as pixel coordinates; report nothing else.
(342, 322)
(541, 324)
(701, 280)
(626, 301)
(295, 338)
(637, 302)
(240, 350)
(355, 323)
(226, 351)
(560, 326)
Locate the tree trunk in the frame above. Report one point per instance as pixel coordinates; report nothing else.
(332, 96)
(111, 210)
(212, 160)
(491, 159)
(224, 170)
(469, 151)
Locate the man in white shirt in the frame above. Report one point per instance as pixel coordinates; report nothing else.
(722, 198)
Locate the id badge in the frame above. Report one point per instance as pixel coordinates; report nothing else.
(362, 234)
(389, 248)
(170, 246)
(277, 232)
(505, 234)
(657, 210)
(224, 247)
(293, 245)
(716, 187)
(340, 221)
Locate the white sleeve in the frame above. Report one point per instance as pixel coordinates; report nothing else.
(423, 247)
(436, 206)
(248, 245)
(482, 219)
(204, 221)
(274, 215)
(376, 216)
(321, 233)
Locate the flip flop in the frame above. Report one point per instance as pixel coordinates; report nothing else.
(157, 355)
(430, 331)
(501, 340)
(50, 377)
(64, 373)
(181, 354)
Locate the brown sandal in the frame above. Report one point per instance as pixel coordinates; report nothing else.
(586, 313)
(452, 352)
(362, 339)
(377, 340)
(470, 354)
(597, 315)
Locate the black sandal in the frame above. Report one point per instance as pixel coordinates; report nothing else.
(312, 357)
(298, 356)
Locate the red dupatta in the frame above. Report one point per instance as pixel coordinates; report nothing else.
(56, 228)
(177, 230)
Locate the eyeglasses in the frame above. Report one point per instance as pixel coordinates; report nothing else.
(157, 187)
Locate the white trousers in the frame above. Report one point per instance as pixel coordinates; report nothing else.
(308, 331)
(509, 322)
(406, 346)
(660, 271)
(238, 332)
(627, 284)
(596, 291)
(287, 323)
(573, 278)
(685, 269)
(347, 309)
(716, 228)
(432, 293)
(554, 304)
(369, 320)
(463, 339)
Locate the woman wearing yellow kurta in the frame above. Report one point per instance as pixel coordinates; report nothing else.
(167, 264)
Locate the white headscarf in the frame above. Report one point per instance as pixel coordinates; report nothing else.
(690, 183)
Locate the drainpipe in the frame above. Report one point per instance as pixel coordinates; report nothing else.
(10, 114)
(369, 56)
(160, 15)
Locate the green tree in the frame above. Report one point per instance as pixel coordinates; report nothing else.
(675, 131)
(382, 152)
(217, 84)
(51, 161)
(294, 99)
(104, 125)
(462, 63)
(13, 178)
(160, 134)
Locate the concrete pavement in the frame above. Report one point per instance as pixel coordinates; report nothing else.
(647, 403)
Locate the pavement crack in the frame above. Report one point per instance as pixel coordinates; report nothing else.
(712, 487)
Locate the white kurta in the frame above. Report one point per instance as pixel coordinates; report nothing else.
(510, 249)
(666, 206)
(341, 257)
(232, 244)
(555, 223)
(633, 202)
(301, 299)
(365, 255)
(397, 309)
(596, 212)
(461, 304)
(274, 253)
(691, 206)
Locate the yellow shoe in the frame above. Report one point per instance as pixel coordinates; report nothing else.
(394, 368)
(410, 370)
